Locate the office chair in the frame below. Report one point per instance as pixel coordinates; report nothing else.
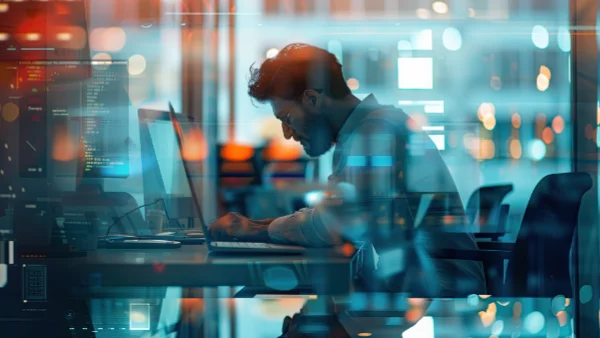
(538, 263)
(484, 205)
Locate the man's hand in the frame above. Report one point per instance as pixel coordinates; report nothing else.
(235, 227)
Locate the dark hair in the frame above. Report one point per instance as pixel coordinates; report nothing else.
(297, 67)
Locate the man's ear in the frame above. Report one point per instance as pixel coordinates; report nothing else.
(312, 99)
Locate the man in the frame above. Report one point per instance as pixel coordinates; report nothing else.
(387, 176)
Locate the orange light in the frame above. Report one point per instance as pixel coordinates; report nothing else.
(489, 122)
(515, 149)
(62, 9)
(558, 124)
(517, 310)
(236, 152)
(64, 36)
(33, 36)
(413, 315)
(194, 146)
(348, 249)
(4, 36)
(3, 8)
(562, 318)
(516, 120)
(543, 82)
(282, 150)
(546, 72)
(547, 135)
(353, 84)
(64, 148)
(365, 334)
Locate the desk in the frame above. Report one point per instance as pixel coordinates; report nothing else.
(320, 271)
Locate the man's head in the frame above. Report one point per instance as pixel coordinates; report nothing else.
(303, 84)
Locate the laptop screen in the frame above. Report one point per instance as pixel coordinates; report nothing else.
(163, 166)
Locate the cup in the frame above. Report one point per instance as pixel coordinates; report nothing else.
(154, 220)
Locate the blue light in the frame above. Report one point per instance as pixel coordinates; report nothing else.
(381, 161)
(452, 39)
(537, 149)
(313, 198)
(534, 322)
(280, 278)
(540, 37)
(564, 39)
(356, 161)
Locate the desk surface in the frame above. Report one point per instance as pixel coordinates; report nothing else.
(324, 271)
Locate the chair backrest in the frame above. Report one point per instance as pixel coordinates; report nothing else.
(486, 202)
(541, 255)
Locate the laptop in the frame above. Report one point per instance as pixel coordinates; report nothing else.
(222, 246)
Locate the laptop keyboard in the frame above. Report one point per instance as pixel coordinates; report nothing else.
(241, 245)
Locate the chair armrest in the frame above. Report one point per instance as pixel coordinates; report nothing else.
(505, 246)
(470, 255)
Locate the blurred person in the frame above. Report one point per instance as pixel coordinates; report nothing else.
(307, 91)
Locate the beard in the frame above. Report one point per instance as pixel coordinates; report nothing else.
(320, 136)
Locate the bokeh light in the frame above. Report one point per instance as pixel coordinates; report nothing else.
(489, 122)
(4, 36)
(558, 124)
(280, 278)
(271, 53)
(517, 309)
(585, 293)
(497, 327)
(542, 82)
(236, 152)
(3, 8)
(546, 71)
(547, 135)
(562, 318)
(452, 39)
(515, 149)
(473, 300)
(64, 148)
(534, 322)
(564, 39)
(10, 112)
(472, 13)
(440, 7)
(485, 109)
(515, 120)
(113, 39)
(137, 64)
(353, 84)
(194, 146)
(537, 149)
(423, 13)
(540, 36)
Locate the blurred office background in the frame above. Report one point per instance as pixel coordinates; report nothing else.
(490, 80)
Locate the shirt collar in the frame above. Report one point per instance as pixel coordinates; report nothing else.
(367, 105)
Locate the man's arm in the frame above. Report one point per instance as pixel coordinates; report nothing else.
(370, 168)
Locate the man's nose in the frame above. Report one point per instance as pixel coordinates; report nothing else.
(288, 133)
